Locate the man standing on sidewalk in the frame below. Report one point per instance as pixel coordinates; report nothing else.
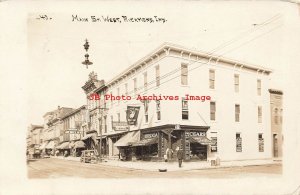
(179, 155)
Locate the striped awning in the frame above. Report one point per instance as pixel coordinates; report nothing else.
(146, 142)
(79, 144)
(64, 145)
(202, 140)
(50, 145)
(128, 139)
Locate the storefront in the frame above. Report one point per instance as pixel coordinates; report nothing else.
(63, 149)
(77, 147)
(155, 141)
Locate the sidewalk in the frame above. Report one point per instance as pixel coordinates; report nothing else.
(173, 166)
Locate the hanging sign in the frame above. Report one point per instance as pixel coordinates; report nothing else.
(132, 114)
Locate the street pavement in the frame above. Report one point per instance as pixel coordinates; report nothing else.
(57, 168)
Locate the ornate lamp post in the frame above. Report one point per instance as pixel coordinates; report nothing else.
(86, 62)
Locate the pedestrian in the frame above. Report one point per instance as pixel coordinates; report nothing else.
(179, 155)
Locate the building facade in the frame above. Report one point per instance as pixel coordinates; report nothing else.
(276, 122)
(34, 140)
(206, 105)
(74, 130)
(53, 129)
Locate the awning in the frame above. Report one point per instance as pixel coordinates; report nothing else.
(64, 145)
(146, 142)
(50, 145)
(87, 136)
(43, 146)
(128, 139)
(79, 144)
(202, 140)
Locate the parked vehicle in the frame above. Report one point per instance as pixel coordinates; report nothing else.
(88, 156)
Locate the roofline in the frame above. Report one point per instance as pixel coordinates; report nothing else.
(276, 91)
(165, 47)
(73, 112)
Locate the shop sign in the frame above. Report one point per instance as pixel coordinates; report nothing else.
(261, 145)
(120, 126)
(195, 134)
(150, 135)
(132, 114)
(239, 144)
(214, 144)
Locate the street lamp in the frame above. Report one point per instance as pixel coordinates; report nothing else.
(86, 62)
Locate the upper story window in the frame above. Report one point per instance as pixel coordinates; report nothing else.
(105, 124)
(259, 114)
(126, 89)
(237, 113)
(158, 114)
(184, 74)
(211, 79)
(184, 109)
(276, 116)
(135, 85)
(213, 111)
(258, 87)
(118, 94)
(157, 75)
(145, 81)
(236, 82)
(238, 142)
(146, 106)
(119, 117)
(111, 100)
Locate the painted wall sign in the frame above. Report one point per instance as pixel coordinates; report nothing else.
(195, 134)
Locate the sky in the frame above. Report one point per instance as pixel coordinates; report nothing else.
(55, 47)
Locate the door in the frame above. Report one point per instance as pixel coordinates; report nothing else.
(275, 145)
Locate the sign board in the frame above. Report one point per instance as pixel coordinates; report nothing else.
(214, 144)
(239, 144)
(195, 133)
(132, 114)
(120, 126)
(150, 135)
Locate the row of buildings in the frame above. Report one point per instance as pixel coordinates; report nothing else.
(242, 120)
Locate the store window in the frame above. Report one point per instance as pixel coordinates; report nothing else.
(258, 87)
(184, 109)
(157, 75)
(236, 82)
(259, 114)
(211, 79)
(260, 142)
(238, 142)
(237, 113)
(158, 114)
(213, 111)
(184, 74)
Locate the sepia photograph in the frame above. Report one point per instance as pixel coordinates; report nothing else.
(174, 96)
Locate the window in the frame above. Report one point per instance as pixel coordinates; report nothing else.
(119, 117)
(259, 114)
(111, 101)
(238, 142)
(213, 111)
(105, 124)
(211, 79)
(214, 144)
(118, 94)
(184, 74)
(145, 81)
(157, 75)
(276, 116)
(258, 87)
(237, 113)
(185, 109)
(236, 82)
(126, 89)
(112, 119)
(135, 85)
(281, 116)
(146, 105)
(260, 142)
(158, 114)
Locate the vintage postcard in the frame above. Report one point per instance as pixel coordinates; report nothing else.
(137, 97)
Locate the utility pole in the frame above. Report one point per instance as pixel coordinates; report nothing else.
(100, 131)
